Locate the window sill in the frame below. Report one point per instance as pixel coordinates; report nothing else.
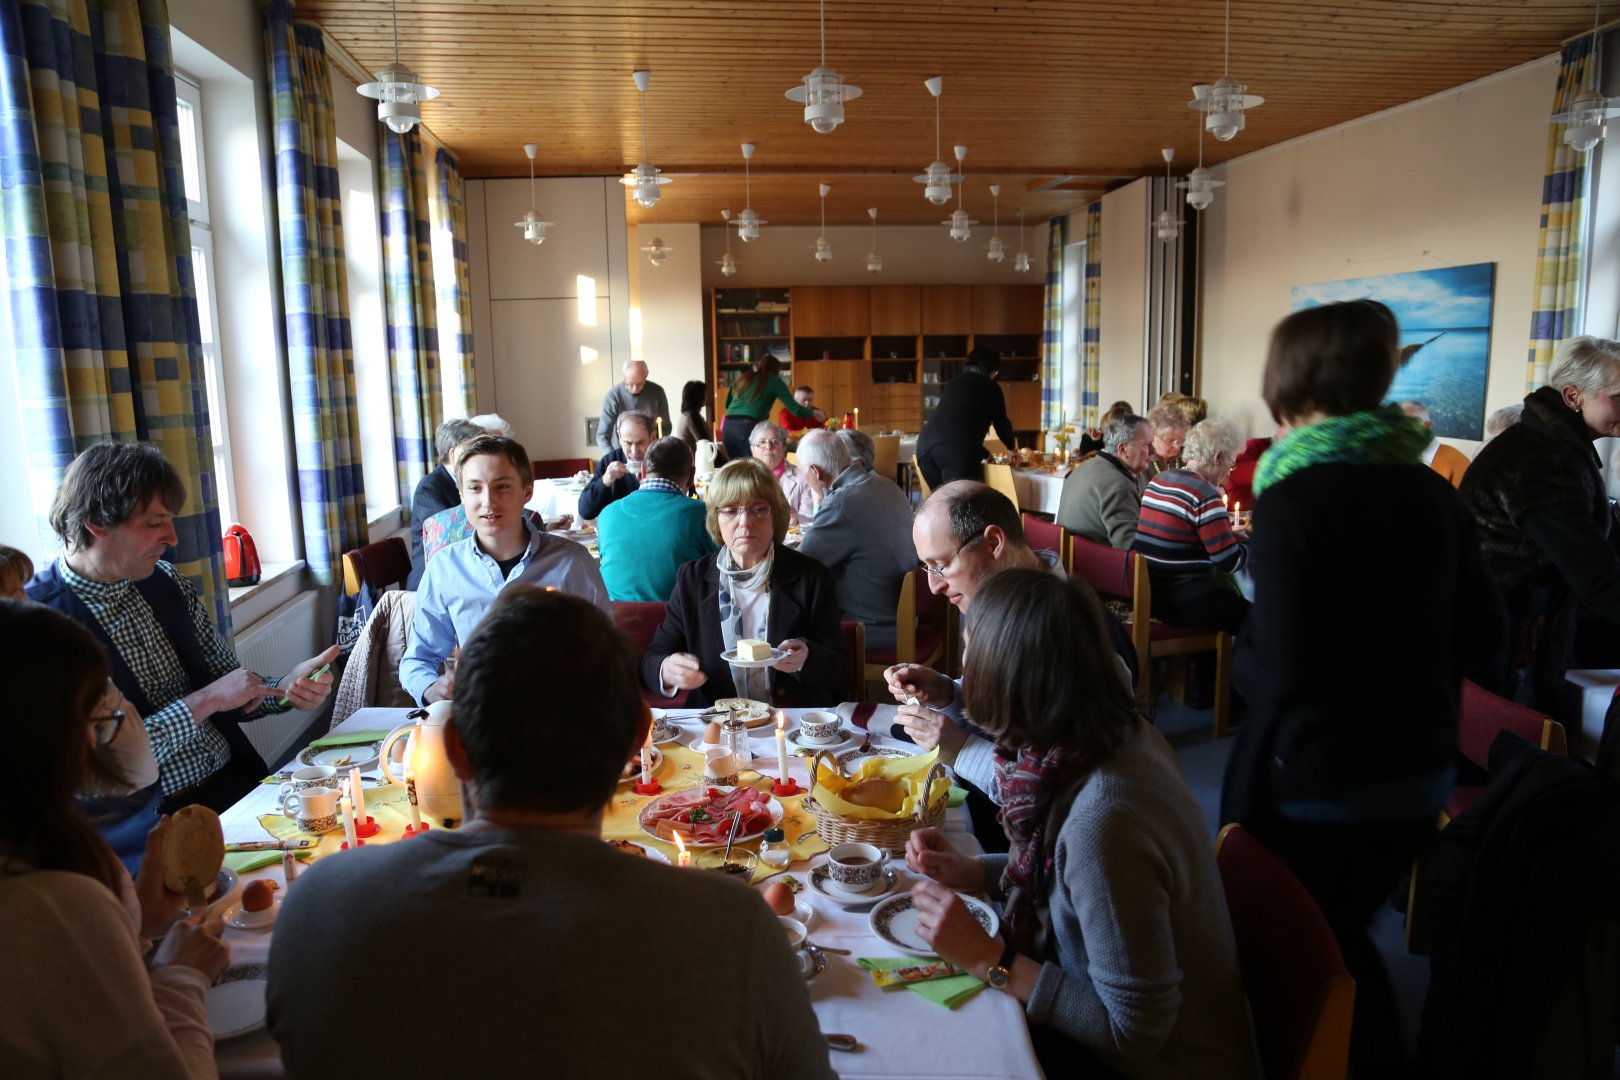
(383, 523)
(269, 575)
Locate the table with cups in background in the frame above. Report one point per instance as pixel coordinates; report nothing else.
(901, 1033)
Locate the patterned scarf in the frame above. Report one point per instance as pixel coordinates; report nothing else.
(1384, 436)
(750, 682)
(1035, 793)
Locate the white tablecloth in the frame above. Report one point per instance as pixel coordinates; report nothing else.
(1597, 689)
(1038, 491)
(552, 499)
(908, 448)
(902, 1034)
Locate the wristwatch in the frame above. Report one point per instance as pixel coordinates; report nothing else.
(1000, 972)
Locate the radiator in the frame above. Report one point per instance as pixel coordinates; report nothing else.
(273, 646)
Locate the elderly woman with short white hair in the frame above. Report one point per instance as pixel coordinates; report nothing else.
(1187, 538)
(769, 445)
(1545, 523)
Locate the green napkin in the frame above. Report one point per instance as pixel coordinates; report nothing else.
(956, 797)
(244, 861)
(947, 992)
(348, 738)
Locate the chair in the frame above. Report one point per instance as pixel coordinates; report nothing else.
(385, 563)
(853, 636)
(1044, 535)
(922, 481)
(886, 456)
(371, 674)
(1000, 477)
(1123, 575)
(1300, 993)
(921, 628)
(559, 468)
(639, 620)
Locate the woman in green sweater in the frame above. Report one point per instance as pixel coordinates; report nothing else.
(749, 401)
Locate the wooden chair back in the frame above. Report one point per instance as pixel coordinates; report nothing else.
(1300, 993)
(1000, 477)
(922, 481)
(385, 563)
(853, 635)
(639, 620)
(559, 468)
(886, 456)
(1483, 715)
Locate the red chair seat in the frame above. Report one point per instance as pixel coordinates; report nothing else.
(928, 639)
(1166, 631)
(1463, 796)
(653, 699)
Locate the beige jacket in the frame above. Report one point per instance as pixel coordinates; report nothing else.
(371, 677)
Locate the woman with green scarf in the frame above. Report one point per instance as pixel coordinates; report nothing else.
(1370, 595)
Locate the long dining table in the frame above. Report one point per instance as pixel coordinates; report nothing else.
(901, 1034)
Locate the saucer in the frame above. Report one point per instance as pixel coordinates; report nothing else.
(846, 739)
(823, 883)
(242, 919)
(236, 1001)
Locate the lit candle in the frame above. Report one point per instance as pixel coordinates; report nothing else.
(1237, 512)
(357, 793)
(682, 856)
(410, 794)
(659, 423)
(347, 807)
(857, 416)
(781, 743)
(1226, 502)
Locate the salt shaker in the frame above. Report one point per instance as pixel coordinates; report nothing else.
(773, 849)
(734, 737)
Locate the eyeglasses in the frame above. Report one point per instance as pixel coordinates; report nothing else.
(756, 511)
(104, 728)
(767, 444)
(945, 567)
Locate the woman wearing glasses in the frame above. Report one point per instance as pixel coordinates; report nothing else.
(753, 587)
(769, 444)
(79, 999)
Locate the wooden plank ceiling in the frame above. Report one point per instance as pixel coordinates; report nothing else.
(1057, 100)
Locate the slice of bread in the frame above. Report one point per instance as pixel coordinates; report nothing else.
(194, 848)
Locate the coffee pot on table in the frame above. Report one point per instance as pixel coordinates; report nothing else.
(438, 791)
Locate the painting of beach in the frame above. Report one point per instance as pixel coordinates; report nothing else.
(1445, 320)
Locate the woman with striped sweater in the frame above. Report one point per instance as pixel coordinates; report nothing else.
(1186, 536)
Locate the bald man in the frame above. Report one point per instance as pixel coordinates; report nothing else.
(635, 394)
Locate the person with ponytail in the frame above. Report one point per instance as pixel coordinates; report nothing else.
(79, 997)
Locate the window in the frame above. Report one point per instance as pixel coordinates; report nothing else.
(189, 99)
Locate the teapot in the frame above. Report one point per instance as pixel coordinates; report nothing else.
(438, 791)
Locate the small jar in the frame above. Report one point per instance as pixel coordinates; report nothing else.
(773, 849)
(734, 737)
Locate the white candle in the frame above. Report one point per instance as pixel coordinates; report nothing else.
(348, 822)
(357, 793)
(410, 794)
(1226, 501)
(646, 766)
(682, 856)
(659, 422)
(857, 416)
(781, 744)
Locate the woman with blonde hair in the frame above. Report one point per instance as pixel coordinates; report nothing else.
(755, 587)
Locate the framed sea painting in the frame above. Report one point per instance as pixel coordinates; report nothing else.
(1445, 319)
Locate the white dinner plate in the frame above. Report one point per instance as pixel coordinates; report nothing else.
(651, 852)
(362, 756)
(693, 845)
(895, 921)
(730, 656)
(236, 1003)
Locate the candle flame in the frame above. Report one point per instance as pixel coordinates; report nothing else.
(781, 721)
(680, 843)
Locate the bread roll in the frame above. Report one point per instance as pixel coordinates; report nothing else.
(194, 848)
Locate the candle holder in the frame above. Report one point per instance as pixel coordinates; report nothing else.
(416, 830)
(357, 843)
(785, 785)
(651, 788)
(366, 827)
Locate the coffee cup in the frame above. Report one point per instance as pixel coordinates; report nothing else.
(720, 767)
(313, 810)
(797, 932)
(856, 867)
(310, 776)
(819, 727)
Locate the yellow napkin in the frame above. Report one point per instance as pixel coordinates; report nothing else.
(911, 773)
(683, 768)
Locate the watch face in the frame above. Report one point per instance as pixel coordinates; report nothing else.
(997, 977)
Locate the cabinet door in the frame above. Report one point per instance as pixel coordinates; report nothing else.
(896, 310)
(831, 311)
(947, 309)
(1023, 405)
(1008, 309)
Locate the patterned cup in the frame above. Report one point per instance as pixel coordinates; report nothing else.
(819, 727)
(316, 809)
(310, 776)
(856, 867)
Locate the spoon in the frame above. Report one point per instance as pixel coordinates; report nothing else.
(847, 1043)
(736, 820)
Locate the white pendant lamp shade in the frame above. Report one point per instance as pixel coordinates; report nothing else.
(823, 245)
(1589, 109)
(959, 221)
(1167, 226)
(398, 94)
(995, 250)
(749, 221)
(874, 261)
(823, 92)
(728, 261)
(937, 177)
(644, 180)
(657, 251)
(534, 230)
(1021, 260)
(1200, 187)
(1224, 102)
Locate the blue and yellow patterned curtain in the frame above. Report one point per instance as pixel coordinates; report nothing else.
(1052, 336)
(1091, 340)
(1555, 310)
(315, 293)
(97, 290)
(448, 205)
(409, 301)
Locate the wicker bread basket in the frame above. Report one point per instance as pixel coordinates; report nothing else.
(888, 834)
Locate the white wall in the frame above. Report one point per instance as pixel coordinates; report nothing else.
(670, 299)
(527, 330)
(1452, 180)
(1124, 293)
(911, 256)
